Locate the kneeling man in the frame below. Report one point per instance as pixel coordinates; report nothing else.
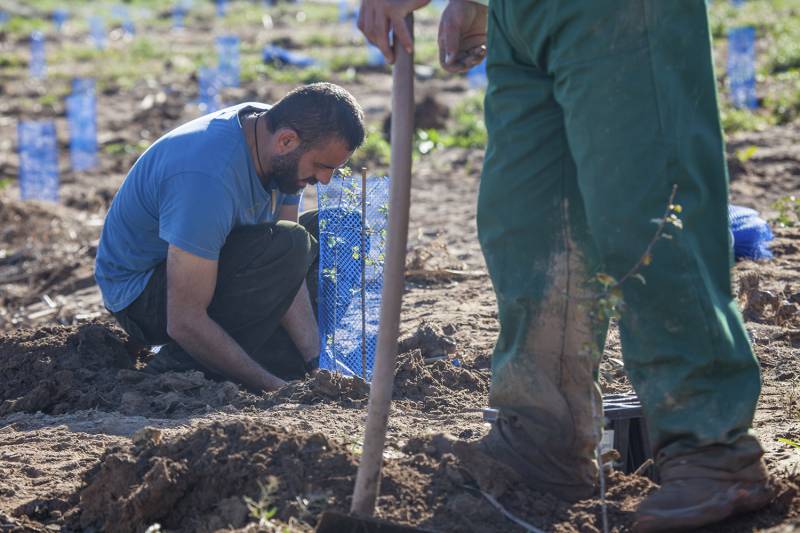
(202, 251)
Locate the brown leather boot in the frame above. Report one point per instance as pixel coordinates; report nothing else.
(506, 458)
(694, 495)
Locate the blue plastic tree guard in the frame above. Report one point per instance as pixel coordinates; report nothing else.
(122, 14)
(60, 16)
(348, 303)
(742, 67)
(83, 85)
(82, 119)
(476, 76)
(178, 16)
(228, 52)
(751, 233)
(38, 154)
(37, 68)
(209, 86)
(344, 11)
(97, 29)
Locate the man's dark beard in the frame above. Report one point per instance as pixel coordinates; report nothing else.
(283, 172)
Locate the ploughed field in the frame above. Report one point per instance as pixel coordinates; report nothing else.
(89, 442)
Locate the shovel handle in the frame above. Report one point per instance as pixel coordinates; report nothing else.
(369, 469)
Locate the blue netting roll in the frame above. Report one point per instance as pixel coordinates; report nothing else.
(343, 321)
(281, 56)
(751, 233)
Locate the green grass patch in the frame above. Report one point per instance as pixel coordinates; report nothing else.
(374, 151)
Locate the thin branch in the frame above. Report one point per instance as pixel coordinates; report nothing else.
(520, 522)
(653, 241)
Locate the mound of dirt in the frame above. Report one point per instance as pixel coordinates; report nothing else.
(439, 385)
(58, 369)
(230, 475)
(199, 481)
(63, 369)
(429, 113)
(323, 386)
(431, 339)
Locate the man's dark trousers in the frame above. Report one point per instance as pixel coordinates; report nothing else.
(261, 268)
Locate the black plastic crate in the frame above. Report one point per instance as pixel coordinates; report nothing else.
(623, 414)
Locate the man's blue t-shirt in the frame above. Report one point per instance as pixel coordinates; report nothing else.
(189, 189)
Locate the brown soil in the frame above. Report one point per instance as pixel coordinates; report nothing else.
(219, 474)
(88, 441)
(57, 370)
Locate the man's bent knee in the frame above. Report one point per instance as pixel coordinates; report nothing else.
(302, 250)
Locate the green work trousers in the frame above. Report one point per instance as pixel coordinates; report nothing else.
(595, 109)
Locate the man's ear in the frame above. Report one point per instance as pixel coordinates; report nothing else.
(286, 140)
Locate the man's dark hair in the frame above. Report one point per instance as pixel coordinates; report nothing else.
(319, 112)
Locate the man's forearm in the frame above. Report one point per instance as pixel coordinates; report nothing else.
(210, 345)
(300, 323)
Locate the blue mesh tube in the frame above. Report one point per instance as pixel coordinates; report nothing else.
(38, 157)
(228, 52)
(349, 329)
(742, 67)
(82, 119)
(60, 16)
(209, 85)
(97, 29)
(37, 66)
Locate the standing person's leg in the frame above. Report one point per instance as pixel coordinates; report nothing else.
(636, 81)
(532, 230)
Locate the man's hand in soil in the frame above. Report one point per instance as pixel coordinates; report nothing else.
(462, 35)
(377, 17)
(190, 287)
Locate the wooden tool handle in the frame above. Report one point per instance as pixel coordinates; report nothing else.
(380, 396)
